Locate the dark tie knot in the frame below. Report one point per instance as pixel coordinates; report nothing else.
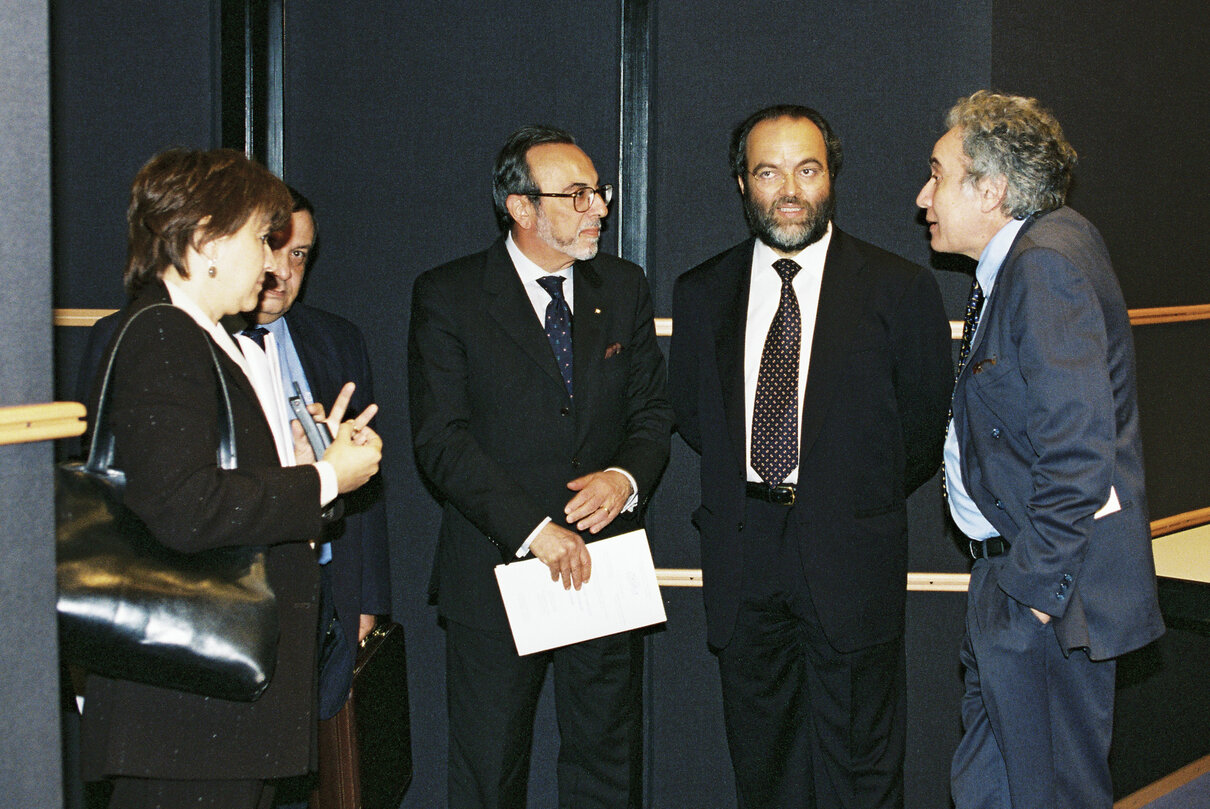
(787, 269)
(257, 335)
(553, 284)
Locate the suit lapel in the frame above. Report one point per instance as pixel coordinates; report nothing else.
(735, 272)
(588, 338)
(309, 344)
(841, 297)
(510, 307)
(988, 310)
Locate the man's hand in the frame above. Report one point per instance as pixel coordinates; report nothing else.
(564, 553)
(365, 625)
(1041, 616)
(599, 498)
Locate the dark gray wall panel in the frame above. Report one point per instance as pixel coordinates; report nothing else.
(1128, 85)
(29, 748)
(881, 73)
(129, 79)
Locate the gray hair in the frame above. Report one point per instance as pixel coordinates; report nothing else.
(1014, 137)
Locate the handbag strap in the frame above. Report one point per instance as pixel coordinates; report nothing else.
(101, 447)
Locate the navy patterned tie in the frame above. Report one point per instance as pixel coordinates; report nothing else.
(775, 414)
(558, 325)
(257, 335)
(970, 322)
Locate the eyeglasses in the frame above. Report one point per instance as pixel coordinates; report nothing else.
(583, 198)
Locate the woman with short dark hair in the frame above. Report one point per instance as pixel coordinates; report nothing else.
(199, 224)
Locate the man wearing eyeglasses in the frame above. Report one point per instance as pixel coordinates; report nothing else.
(540, 417)
(812, 371)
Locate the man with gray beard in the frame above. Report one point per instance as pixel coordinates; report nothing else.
(539, 416)
(812, 373)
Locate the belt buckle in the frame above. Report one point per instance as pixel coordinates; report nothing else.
(782, 495)
(975, 546)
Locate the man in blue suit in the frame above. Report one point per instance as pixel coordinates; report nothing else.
(1043, 464)
(322, 351)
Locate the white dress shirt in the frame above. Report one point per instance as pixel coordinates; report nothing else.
(539, 299)
(764, 294)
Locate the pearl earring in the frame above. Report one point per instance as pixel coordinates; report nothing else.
(213, 271)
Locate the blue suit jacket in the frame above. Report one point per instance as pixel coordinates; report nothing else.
(333, 351)
(1047, 421)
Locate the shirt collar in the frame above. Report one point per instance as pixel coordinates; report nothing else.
(994, 254)
(810, 257)
(528, 270)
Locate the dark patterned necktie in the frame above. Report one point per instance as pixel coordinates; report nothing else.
(558, 325)
(775, 414)
(257, 335)
(970, 323)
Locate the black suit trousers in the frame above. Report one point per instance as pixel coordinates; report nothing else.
(807, 726)
(493, 697)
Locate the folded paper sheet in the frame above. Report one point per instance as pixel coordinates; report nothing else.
(621, 594)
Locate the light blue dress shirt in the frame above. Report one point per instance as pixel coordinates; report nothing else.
(291, 372)
(962, 507)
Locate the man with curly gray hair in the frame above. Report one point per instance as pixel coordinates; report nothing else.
(1043, 464)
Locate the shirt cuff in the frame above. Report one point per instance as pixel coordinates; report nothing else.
(524, 549)
(633, 500)
(328, 487)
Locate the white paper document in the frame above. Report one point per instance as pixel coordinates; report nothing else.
(621, 594)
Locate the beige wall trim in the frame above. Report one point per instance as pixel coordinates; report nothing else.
(1169, 314)
(663, 325)
(41, 422)
(1179, 522)
(80, 317)
(930, 582)
(1169, 783)
(1138, 317)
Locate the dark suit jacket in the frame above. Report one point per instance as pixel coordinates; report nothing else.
(164, 417)
(873, 424)
(1047, 421)
(494, 430)
(333, 352)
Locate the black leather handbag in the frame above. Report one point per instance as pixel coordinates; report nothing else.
(131, 608)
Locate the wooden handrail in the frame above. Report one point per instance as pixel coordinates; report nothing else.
(80, 317)
(1179, 522)
(663, 325)
(41, 422)
(947, 582)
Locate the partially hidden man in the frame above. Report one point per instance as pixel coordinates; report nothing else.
(539, 416)
(1043, 464)
(812, 372)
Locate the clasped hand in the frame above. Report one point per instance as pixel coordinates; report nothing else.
(599, 498)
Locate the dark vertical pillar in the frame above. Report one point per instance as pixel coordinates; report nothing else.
(635, 132)
(251, 78)
(29, 748)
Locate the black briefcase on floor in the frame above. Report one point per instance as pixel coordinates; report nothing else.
(365, 751)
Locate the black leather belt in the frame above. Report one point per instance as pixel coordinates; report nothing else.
(781, 495)
(987, 548)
